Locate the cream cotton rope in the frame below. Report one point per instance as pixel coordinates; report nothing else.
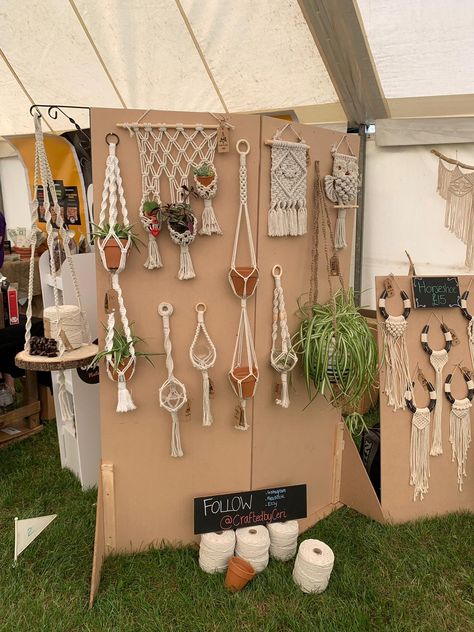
(460, 425)
(313, 566)
(215, 551)
(203, 358)
(252, 545)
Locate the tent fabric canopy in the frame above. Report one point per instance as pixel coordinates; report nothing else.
(235, 55)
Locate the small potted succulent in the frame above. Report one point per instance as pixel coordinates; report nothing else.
(204, 173)
(112, 248)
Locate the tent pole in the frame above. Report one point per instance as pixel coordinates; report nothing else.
(359, 227)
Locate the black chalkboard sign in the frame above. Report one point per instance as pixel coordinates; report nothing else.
(431, 292)
(245, 509)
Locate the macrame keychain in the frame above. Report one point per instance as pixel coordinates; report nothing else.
(108, 217)
(397, 367)
(203, 358)
(283, 357)
(205, 180)
(172, 392)
(243, 375)
(438, 360)
(460, 424)
(420, 440)
(470, 324)
(288, 213)
(341, 187)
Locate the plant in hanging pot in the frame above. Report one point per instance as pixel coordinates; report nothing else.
(180, 217)
(204, 173)
(152, 216)
(114, 246)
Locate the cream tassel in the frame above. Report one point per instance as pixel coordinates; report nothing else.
(302, 219)
(438, 360)
(397, 368)
(153, 260)
(460, 435)
(186, 270)
(243, 425)
(210, 225)
(124, 402)
(207, 418)
(277, 221)
(340, 233)
(419, 452)
(284, 399)
(176, 449)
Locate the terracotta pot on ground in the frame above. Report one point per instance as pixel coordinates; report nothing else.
(244, 279)
(128, 373)
(239, 573)
(247, 379)
(112, 252)
(205, 180)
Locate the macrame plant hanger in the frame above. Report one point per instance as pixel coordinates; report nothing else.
(108, 218)
(172, 392)
(460, 424)
(243, 375)
(341, 187)
(420, 440)
(470, 324)
(438, 360)
(203, 356)
(288, 213)
(283, 357)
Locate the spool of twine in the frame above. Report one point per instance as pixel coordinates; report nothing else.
(215, 551)
(64, 322)
(283, 539)
(313, 566)
(252, 545)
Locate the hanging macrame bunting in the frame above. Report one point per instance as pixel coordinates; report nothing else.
(438, 360)
(283, 357)
(341, 188)
(420, 441)
(288, 213)
(460, 425)
(172, 392)
(113, 253)
(203, 357)
(470, 323)
(397, 367)
(243, 375)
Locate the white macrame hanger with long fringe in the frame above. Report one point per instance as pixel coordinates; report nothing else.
(202, 354)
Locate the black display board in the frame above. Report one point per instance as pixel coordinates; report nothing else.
(245, 509)
(432, 292)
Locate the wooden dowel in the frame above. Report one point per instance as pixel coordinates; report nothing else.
(167, 125)
(452, 161)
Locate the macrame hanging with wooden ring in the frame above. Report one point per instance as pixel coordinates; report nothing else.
(206, 188)
(113, 253)
(288, 213)
(243, 375)
(283, 357)
(460, 425)
(341, 187)
(203, 357)
(470, 324)
(395, 352)
(438, 360)
(172, 392)
(420, 440)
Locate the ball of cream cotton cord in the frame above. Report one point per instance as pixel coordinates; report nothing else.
(215, 551)
(283, 539)
(252, 545)
(313, 566)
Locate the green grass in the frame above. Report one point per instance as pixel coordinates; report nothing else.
(415, 577)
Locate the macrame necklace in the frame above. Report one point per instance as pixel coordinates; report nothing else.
(172, 392)
(243, 375)
(288, 214)
(203, 358)
(420, 441)
(397, 367)
(460, 425)
(438, 360)
(108, 217)
(341, 187)
(470, 323)
(283, 357)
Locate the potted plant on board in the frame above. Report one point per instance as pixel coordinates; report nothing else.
(113, 247)
(204, 173)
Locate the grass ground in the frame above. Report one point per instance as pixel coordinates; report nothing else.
(415, 577)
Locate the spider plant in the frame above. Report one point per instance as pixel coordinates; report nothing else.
(120, 351)
(122, 232)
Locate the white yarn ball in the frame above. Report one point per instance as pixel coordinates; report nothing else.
(215, 551)
(283, 539)
(252, 545)
(313, 566)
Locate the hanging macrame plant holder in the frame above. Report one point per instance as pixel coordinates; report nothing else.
(288, 215)
(151, 222)
(243, 375)
(172, 392)
(184, 240)
(206, 188)
(283, 357)
(341, 188)
(460, 425)
(203, 356)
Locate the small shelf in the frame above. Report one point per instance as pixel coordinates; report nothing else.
(69, 360)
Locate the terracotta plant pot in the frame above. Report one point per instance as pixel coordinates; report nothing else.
(239, 573)
(24, 253)
(246, 378)
(205, 180)
(112, 253)
(244, 280)
(128, 373)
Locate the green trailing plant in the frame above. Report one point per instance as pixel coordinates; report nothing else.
(122, 232)
(152, 208)
(204, 171)
(120, 351)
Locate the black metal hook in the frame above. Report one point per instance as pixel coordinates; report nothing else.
(112, 142)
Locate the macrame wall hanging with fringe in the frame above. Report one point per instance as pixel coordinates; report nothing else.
(283, 357)
(341, 187)
(470, 324)
(438, 360)
(288, 213)
(203, 356)
(460, 424)
(243, 375)
(172, 392)
(420, 440)
(395, 352)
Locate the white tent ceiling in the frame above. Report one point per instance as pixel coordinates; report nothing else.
(234, 55)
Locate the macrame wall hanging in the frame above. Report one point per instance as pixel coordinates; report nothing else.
(341, 187)
(203, 356)
(288, 213)
(460, 425)
(470, 323)
(172, 392)
(438, 360)
(243, 375)
(283, 357)
(456, 186)
(395, 352)
(113, 253)
(420, 440)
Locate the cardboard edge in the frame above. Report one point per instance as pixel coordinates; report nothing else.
(99, 546)
(320, 514)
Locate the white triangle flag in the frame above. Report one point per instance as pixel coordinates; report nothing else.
(27, 530)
